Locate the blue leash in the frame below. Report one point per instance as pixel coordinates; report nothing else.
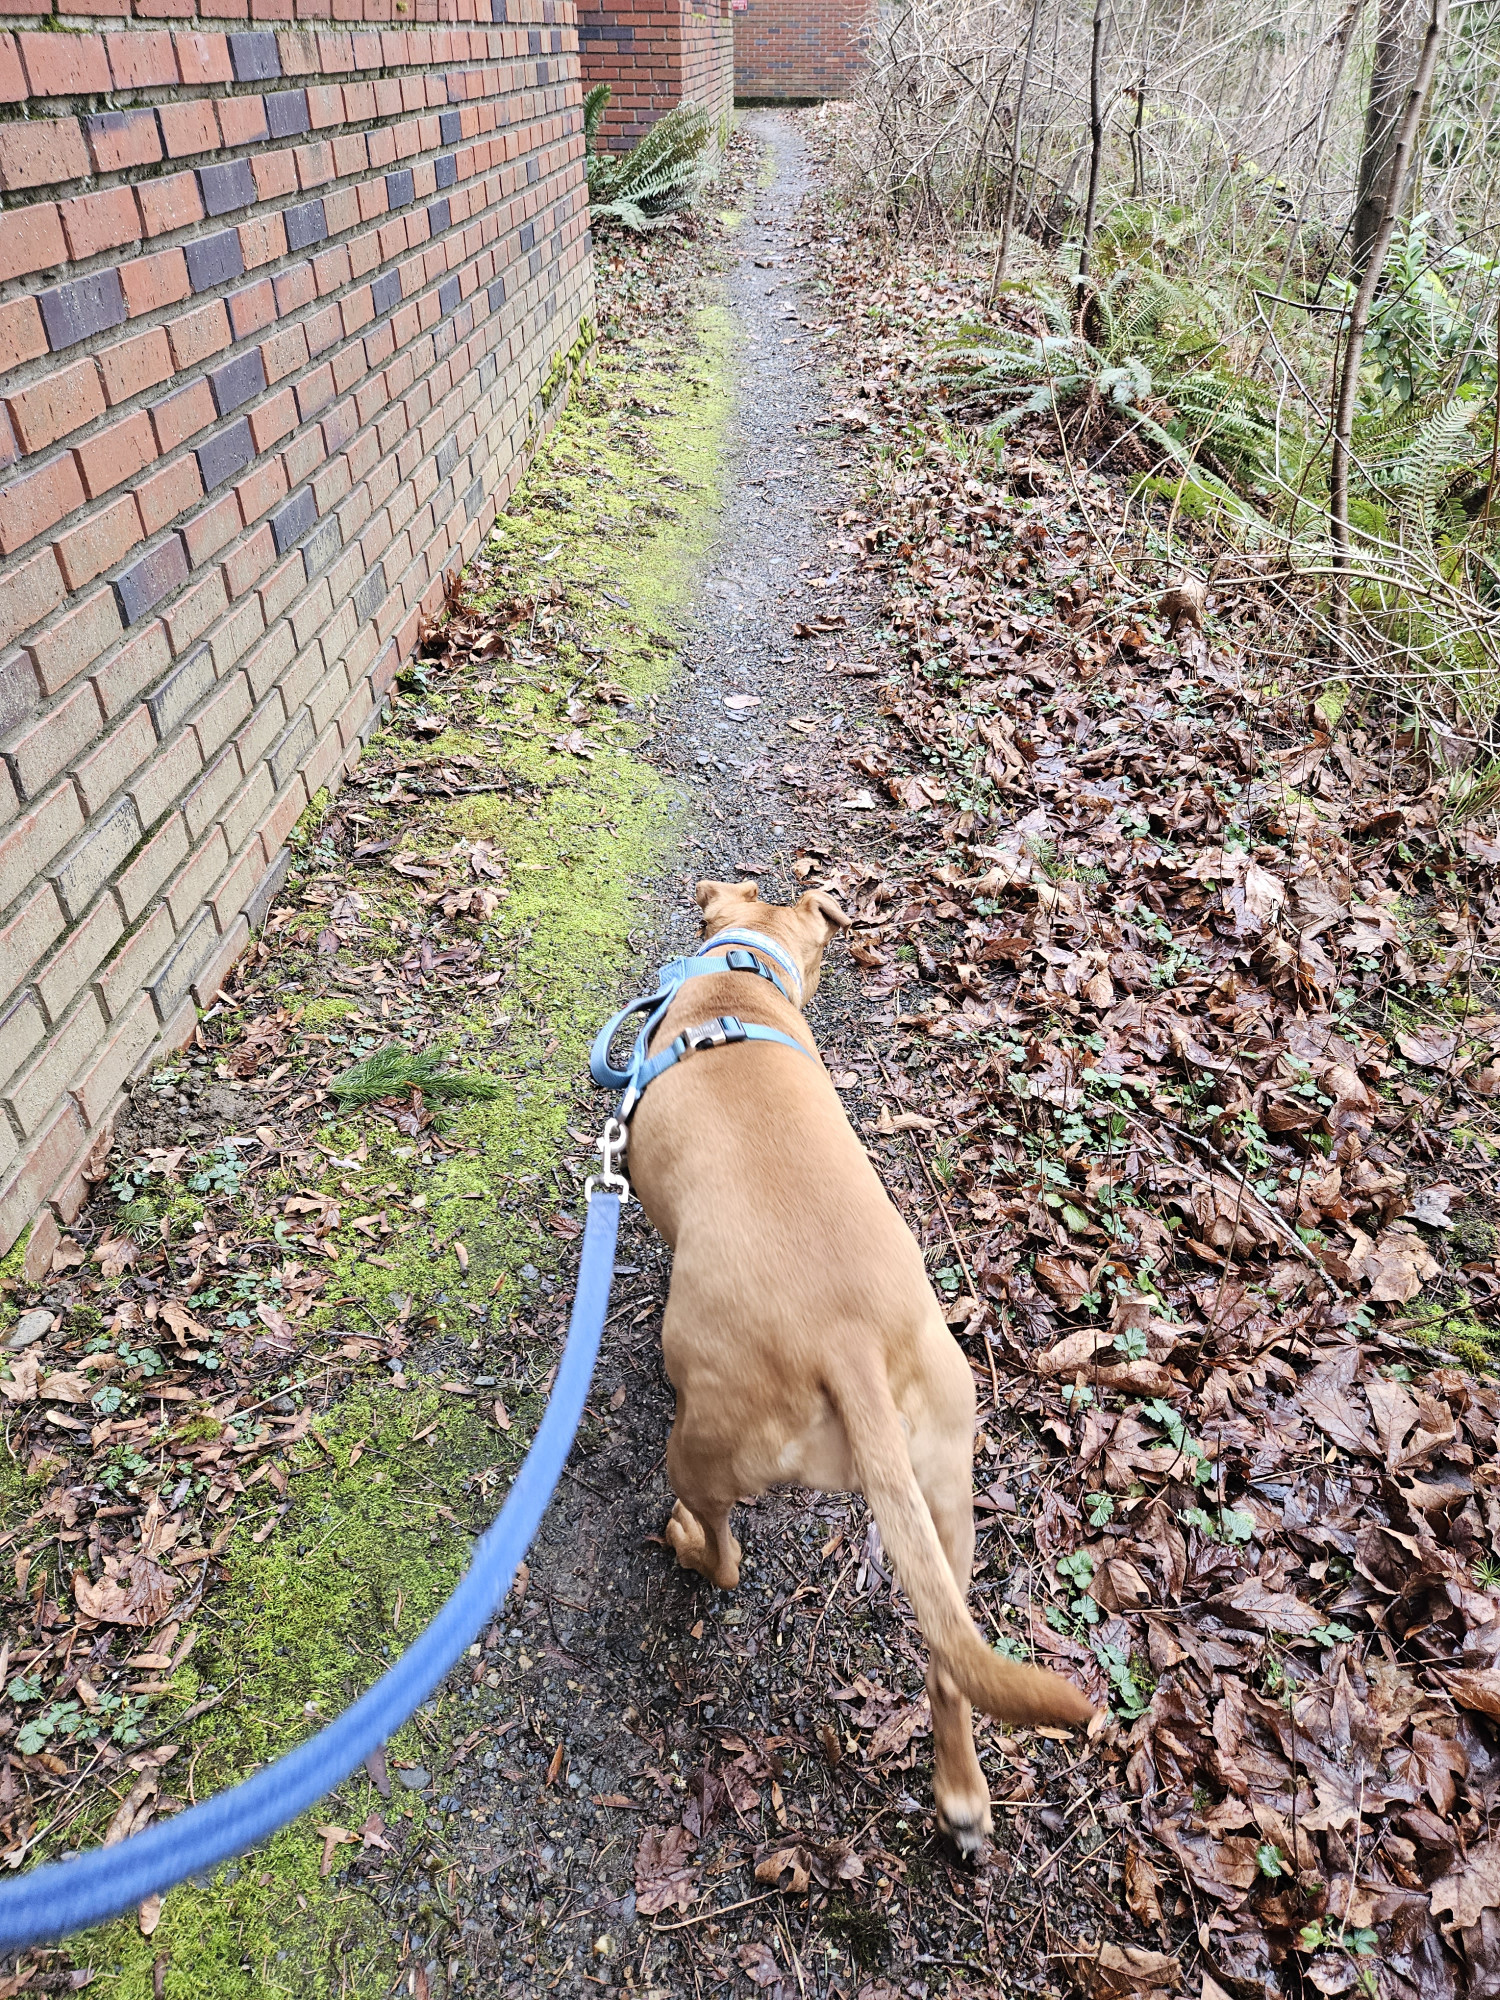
(69, 1895)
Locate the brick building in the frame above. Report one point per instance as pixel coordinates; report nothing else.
(799, 51)
(655, 54)
(278, 301)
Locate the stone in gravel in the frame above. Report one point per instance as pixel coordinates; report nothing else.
(416, 1779)
(29, 1328)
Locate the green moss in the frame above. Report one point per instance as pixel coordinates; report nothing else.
(1455, 1329)
(312, 818)
(312, 1617)
(324, 1013)
(1331, 701)
(1193, 502)
(308, 1615)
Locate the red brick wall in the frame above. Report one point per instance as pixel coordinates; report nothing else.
(800, 50)
(276, 307)
(654, 54)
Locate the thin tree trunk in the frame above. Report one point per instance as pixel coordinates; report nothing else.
(1398, 52)
(1359, 315)
(1008, 220)
(1096, 142)
(1137, 144)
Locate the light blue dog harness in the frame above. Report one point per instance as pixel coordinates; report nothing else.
(643, 1069)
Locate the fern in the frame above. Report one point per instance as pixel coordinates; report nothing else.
(664, 172)
(1418, 481)
(595, 104)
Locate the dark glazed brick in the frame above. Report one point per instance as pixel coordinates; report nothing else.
(214, 260)
(497, 295)
(533, 41)
(321, 546)
(528, 235)
(253, 57)
(224, 454)
(369, 595)
(497, 10)
(533, 173)
(385, 293)
(445, 167)
(450, 127)
(266, 890)
(544, 73)
(237, 381)
(143, 584)
(488, 369)
(291, 521)
(304, 224)
(227, 186)
(96, 857)
(289, 751)
(180, 693)
(85, 306)
(286, 113)
(400, 188)
(192, 952)
(450, 296)
(446, 456)
(474, 499)
(437, 218)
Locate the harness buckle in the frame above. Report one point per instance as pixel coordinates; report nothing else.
(611, 1146)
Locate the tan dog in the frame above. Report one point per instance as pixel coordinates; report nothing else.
(802, 1336)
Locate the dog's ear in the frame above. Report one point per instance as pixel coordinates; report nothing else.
(708, 893)
(817, 903)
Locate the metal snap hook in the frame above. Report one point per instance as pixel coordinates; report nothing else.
(610, 1146)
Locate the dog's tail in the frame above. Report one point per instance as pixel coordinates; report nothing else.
(1003, 1688)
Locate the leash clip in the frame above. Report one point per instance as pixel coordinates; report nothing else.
(611, 1147)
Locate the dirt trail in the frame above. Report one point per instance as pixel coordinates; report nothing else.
(634, 1669)
(645, 1728)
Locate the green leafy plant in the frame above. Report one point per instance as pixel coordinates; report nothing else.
(1132, 1694)
(219, 1172)
(1233, 1527)
(595, 104)
(664, 172)
(1161, 1413)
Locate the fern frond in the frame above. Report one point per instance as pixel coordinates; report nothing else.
(595, 104)
(662, 173)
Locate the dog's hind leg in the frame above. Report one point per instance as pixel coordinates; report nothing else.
(699, 1529)
(942, 1458)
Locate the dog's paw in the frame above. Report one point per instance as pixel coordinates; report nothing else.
(685, 1533)
(968, 1825)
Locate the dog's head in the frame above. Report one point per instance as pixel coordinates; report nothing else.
(802, 928)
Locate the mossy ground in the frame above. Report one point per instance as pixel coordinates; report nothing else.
(599, 547)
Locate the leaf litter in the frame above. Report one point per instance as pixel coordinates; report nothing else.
(1180, 1003)
(1176, 1043)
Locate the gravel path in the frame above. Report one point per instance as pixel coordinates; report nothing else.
(623, 1698)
